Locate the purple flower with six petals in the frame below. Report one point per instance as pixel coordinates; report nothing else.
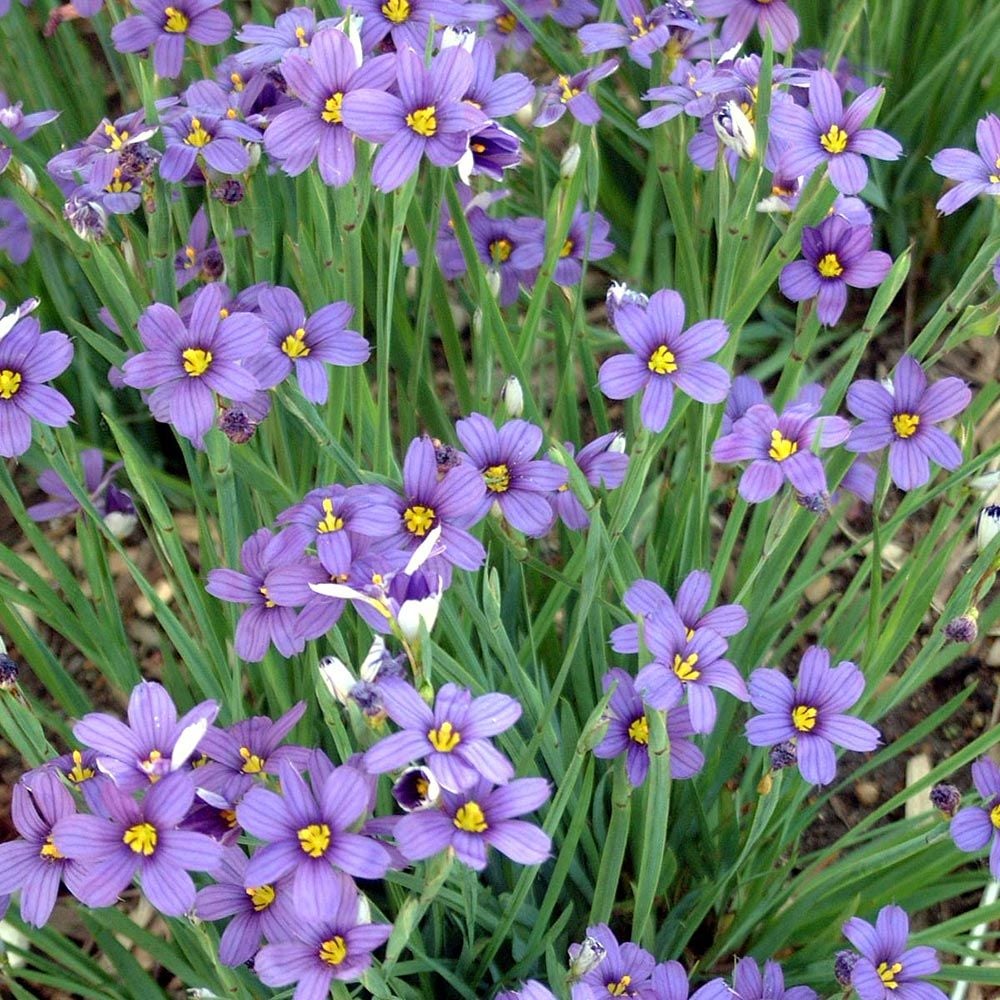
(976, 826)
(975, 174)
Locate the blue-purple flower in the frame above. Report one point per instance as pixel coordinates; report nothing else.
(21, 125)
(664, 355)
(610, 968)
(812, 713)
(292, 31)
(975, 827)
(750, 984)
(774, 16)
(837, 255)
(569, 93)
(904, 420)
(976, 175)
(214, 138)
(587, 239)
(603, 462)
(61, 501)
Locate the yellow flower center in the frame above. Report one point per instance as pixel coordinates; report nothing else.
(177, 21)
(196, 361)
(237, 81)
(418, 519)
(116, 185)
(638, 731)
(640, 26)
(684, 669)
(141, 838)
(49, 850)
(567, 93)
(79, 773)
(470, 818)
(330, 521)
(662, 361)
(117, 139)
(829, 266)
(294, 345)
(444, 739)
(423, 121)
(314, 839)
(262, 896)
(497, 478)
(781, 447)
(252, 764)
(834, 139)
(228, 816)
(149, 765)
(10, 382)
(804, 718)
(906, 424)
(421, 786)
(995, 816)
(567, 248)
(500, 250)
(505, 23)
(887, 973)
(331, 110)
(333, 951)
(191, 254)
(300, 34)
(268, 603)
(618, 989)
(197, 136)
(396, 11)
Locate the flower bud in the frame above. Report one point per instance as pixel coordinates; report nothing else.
(587, 956)
(493, 283)
(619, 294)
(987, 525)
(947, 798)
(27, 179)
(229, 192)
(513, 396)
(253, 151)
(8, 672)
(618, 443)
(416, 789)
(570, 161)
(337, 677)
(783, 755)
(119, 512)
(237, 424)
(843, 966)
(735, 131)
(413, 614)
(88, 218)
(964, 628)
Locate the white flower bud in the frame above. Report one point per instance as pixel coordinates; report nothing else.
(988, 525)
(590, 955)
(337, 677)
(513, 396)
(413, 614)
(493, 282)
(27, 179)
(120, 525)
(570, 161)
(735, 131)
(618, 443)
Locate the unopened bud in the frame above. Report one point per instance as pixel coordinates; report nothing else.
(477, 314)
(416, 789)
(735, 131)
(88, 218)
(964, 628)
(587, 956)
(843, 966)
(493, 283)
(237, 424)
(8, 672)
(27, 179)
(570, 161)
(620, 294)
(254, 153)
(783, 755)
(513, 396)
(947, 798)
(229, 192)
(618, 443)
(987, 525)
(337, 677)
(119, 512)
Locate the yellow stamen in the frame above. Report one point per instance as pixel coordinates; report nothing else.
(330, 521)
(995, 816)
(79, 773)
(444, 739)
(906, 424)
(804, 718)
(300, 34)
(116, 185)
(834, 140)
(567, 93)
(333, 951)
(294, 345)
(262, 896)
(419, 519)
(396, 11)
(196, 361)
(314, 839)
(197, 136)
(567, 248)
(141, 838)
(268, 603)
(332, 109)
(684, 669)
(497, 478)
(505, 23)
(829, 266)
(638, 731)
(237, 81)
(618, 989)
(470, 818)
(49, 850)
(10, 382)
(423, 121)
(500, 250)
(640, 26)
(117, 139)
(662, 361)
(252, 764)
(177, 21)
(781, 447)
(887, 973)
(228, 816)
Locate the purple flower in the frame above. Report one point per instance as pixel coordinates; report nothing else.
(300, 134)
(642, 32)
(140, 837)
(429, 117)
(79, 768)
(513, 477)
(587, 239)
(670, 982)
(569, 93)
(628, 733)
(741, 16)
(15, 236)
(408, 22)
(779, 448)
(32, 862)
(187, 364)
(492, 150)
(975, 174)
(749, 984)
(453, 738)
(687, 664)
(163, 27)
(21, 125)
(62, 502)
(648, 599)
(812, 713)
(887, 969)
(619, 970)
(664, 355)
(260, 911)
(28, 359)
(531, 990)
(976, 826)
(481, 817)
(904, 420)
(198, 258)
(304, 343)
(514, 248)
(264, 622)
(603, 462)
(307, 832)
(496, 96)
(153, 744)
(826, 132)
(213, 137)
(568, 13)
(332, 943)
(292, 31)
(837, 255)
